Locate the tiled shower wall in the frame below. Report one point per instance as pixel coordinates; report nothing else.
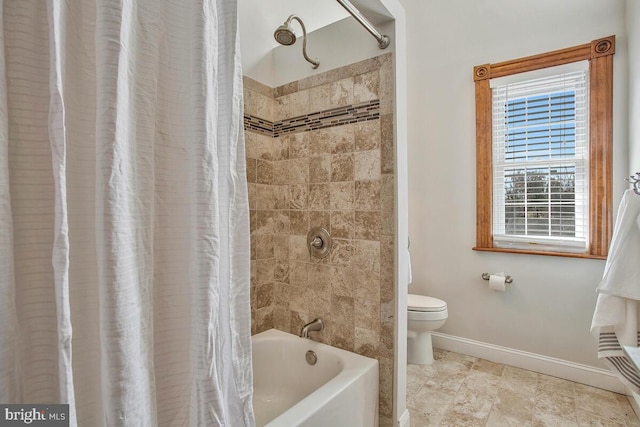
(320, 153)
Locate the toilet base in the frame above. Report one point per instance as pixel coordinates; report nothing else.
(419, 348)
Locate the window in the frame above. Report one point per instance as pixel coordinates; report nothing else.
(543, 129)
(539, 138)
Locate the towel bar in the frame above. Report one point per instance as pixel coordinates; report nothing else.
(507, 279)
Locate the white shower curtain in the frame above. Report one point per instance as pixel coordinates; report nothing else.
(124, 241)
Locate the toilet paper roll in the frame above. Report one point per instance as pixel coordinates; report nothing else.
(496, 282)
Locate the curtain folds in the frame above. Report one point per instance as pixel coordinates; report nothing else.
(124, 236)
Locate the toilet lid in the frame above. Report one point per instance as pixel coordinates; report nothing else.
(425, 303)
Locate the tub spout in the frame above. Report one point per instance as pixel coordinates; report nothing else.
(315, 325)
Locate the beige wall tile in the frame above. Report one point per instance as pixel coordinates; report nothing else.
(281, 318)
(367, 165)
(341, 138)
(297, 299)
(367, 314)
(320, 168)
(281, 108)
(367, 255)
(280, 172)
(387, 157)
(386, 386)
(281, 222)
(264, 295)
(298, 171)
(298, 195)
(342, 224)
(264, 106)
(299, 104)
(342, 168)
(264, 319)
(319, 197)
(366, 342)
(386, 269)
(320, 219)
(386, 86)
(298, 250)
(320, 141)
(280, 148)
(387, 194)
(331, 95)
(367, 225)
(342, 252)
(281, 195)
(341, 195)
(252, 170)
(286, 89)
(281, 296)
(263, 245)
(367, 135)
(367, 195)
(367, 285)
(264, 272)
(258, 146)
(320, 277)
(298, 145)
(281, 271)
(320, 306)
(264, 172)
(255, 86)
(366, 87)
(341, 281)
(299, 222)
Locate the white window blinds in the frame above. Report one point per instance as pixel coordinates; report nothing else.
(540, 154)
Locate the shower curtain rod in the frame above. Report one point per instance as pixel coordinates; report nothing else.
(383, 40)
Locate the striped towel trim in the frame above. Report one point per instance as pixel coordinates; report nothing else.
(611, 353)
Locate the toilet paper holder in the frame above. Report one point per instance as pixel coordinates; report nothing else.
(507, 279)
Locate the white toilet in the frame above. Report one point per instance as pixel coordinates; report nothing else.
(425, 314)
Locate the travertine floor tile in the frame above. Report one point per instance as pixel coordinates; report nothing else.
(459, 390)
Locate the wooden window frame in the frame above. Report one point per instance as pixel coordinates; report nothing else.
(599, 53)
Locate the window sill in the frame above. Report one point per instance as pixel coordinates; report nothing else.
(547, 253)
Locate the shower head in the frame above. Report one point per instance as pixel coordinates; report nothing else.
(284, 34)
(286, 37)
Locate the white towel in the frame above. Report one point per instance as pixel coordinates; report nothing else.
(615, 319)
(622, 271)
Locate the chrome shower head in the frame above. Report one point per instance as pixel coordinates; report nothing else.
(286, 37)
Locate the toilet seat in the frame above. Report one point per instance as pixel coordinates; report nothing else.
(423, 303)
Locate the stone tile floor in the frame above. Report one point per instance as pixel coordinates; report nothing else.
(458, 390)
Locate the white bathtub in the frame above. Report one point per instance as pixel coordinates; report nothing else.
(341, 389)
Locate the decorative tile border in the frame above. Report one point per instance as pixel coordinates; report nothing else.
(323, 119)
(258, 125)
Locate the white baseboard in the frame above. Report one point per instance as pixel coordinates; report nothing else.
(584, 374)
(634, 400)
(404, 419)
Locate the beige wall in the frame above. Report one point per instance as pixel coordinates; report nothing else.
(338, 176)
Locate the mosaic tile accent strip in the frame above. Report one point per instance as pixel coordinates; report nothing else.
(258, 125)
(323, 119)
